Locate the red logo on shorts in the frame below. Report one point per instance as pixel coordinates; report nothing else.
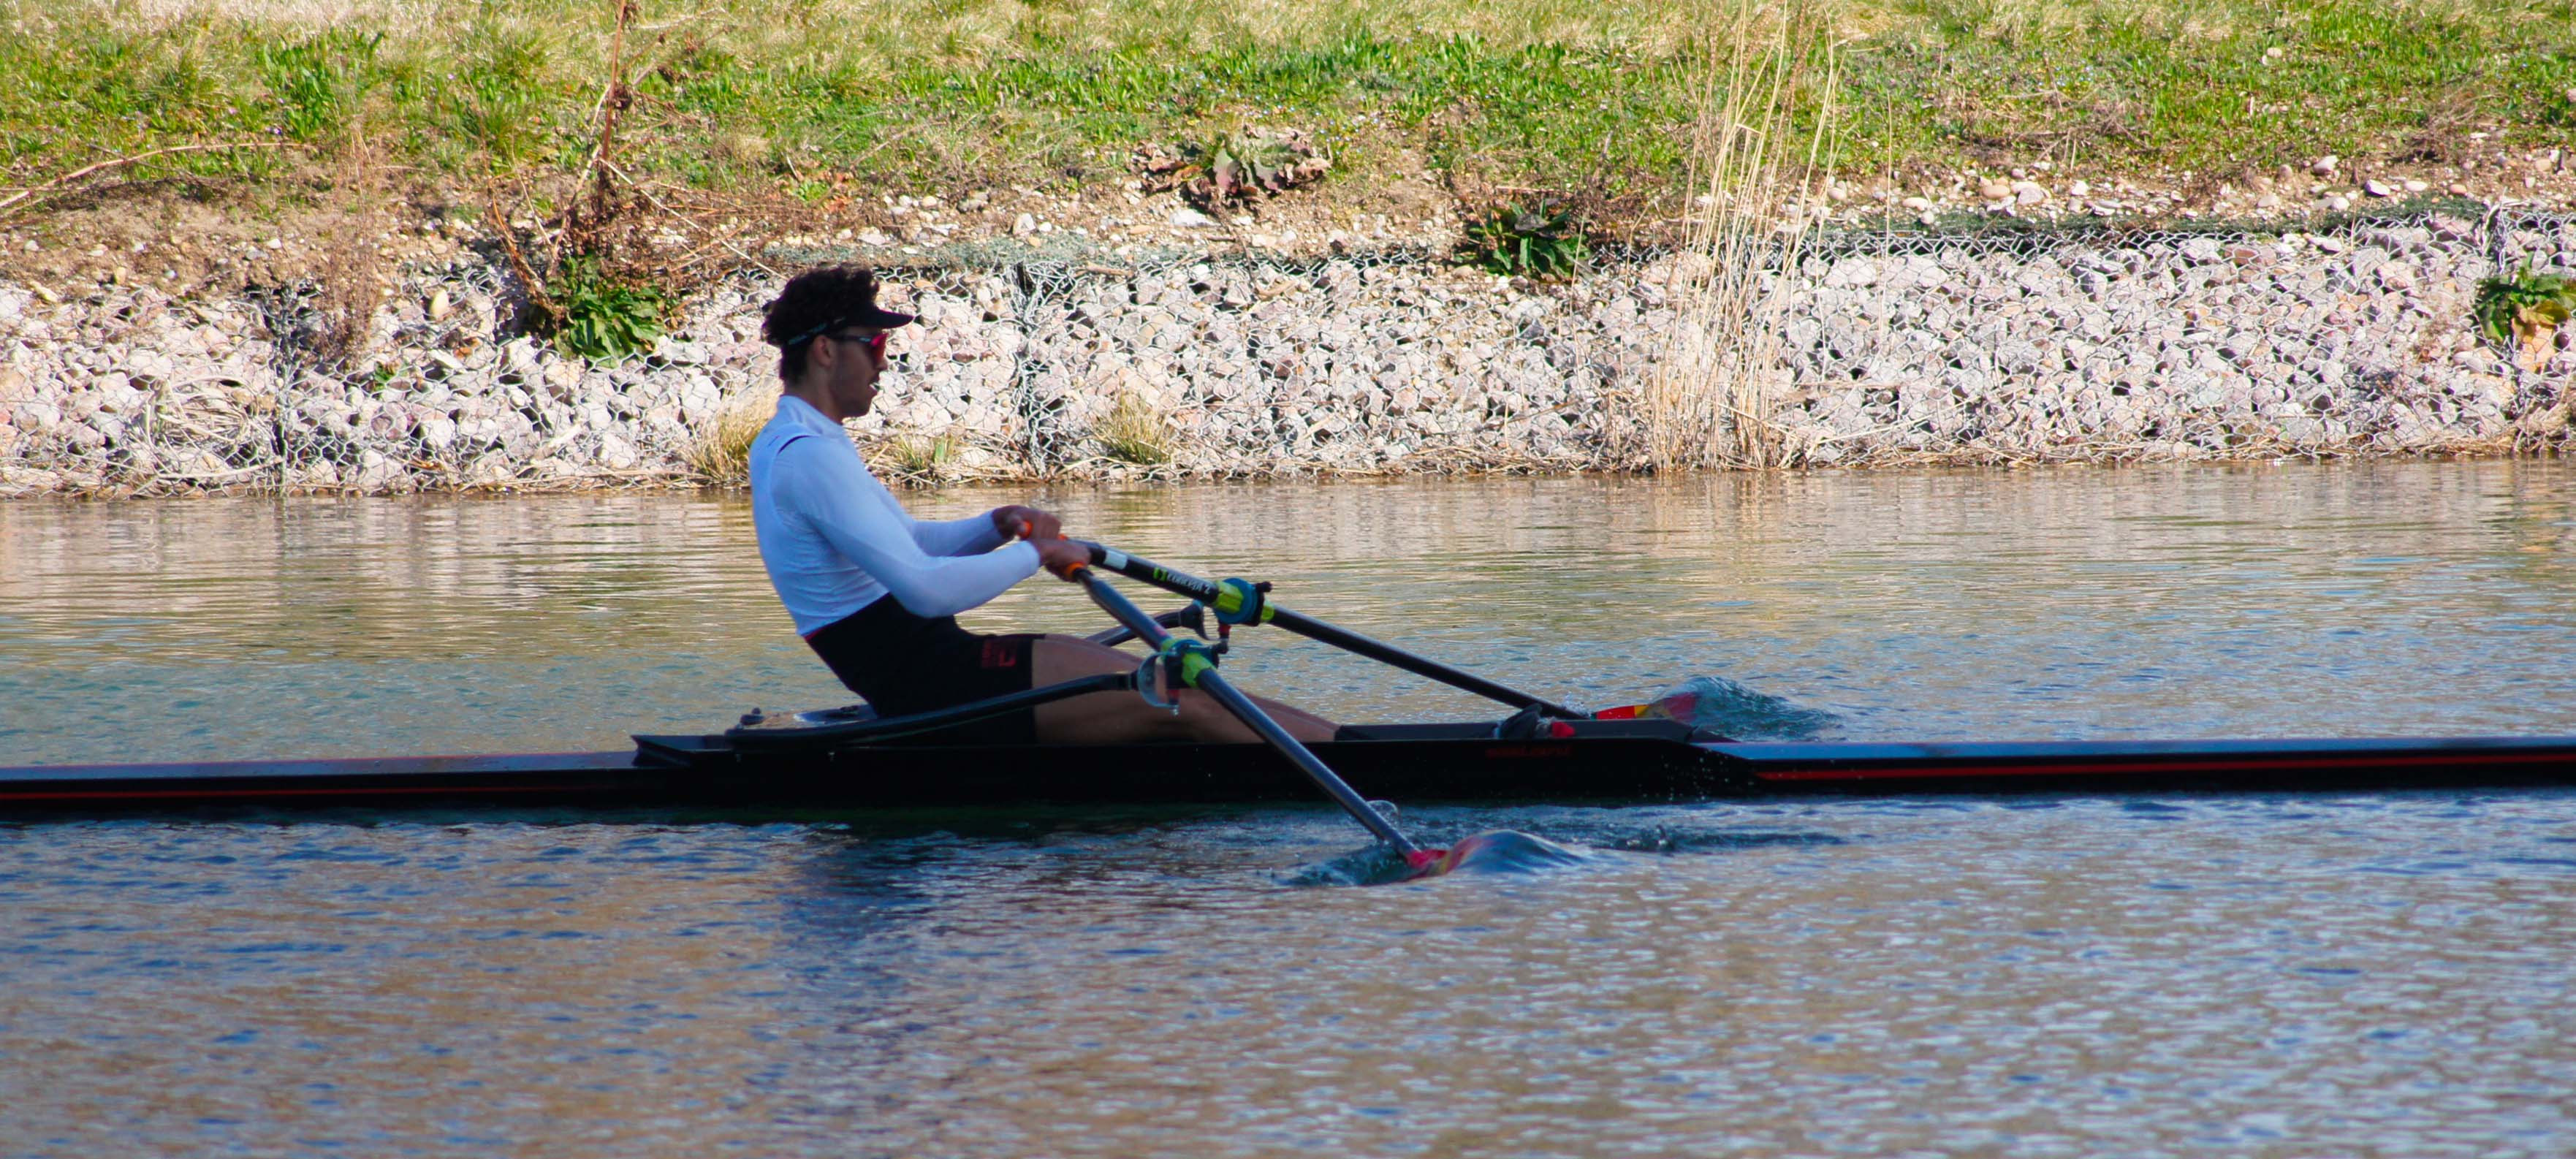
(1001, 654)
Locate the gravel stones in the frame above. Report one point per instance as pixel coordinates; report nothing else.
(1956, 349)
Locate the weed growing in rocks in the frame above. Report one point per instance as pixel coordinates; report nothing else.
(719, 450)
(1542, 241)
(917, 460)
(601, 301)
(2524, 308)
(604, 318)
(1134, 432)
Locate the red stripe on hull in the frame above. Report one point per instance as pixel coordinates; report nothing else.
(2133, 767)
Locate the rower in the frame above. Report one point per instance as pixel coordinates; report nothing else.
(876, 593)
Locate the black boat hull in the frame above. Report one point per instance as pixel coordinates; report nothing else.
(1612, 762)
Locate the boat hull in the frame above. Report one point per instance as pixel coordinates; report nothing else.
(1633, 763)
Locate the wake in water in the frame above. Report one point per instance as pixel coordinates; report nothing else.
(1514, 852)
(1714, 703)
(1723, 706)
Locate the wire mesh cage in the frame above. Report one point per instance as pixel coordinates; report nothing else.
(2001, 345)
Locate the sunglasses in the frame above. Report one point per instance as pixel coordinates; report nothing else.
(876, 343)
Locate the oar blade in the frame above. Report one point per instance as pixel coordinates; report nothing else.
(1492, 851)
(1720, 705)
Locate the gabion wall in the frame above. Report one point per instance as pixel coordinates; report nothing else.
(1899, 348)
(2356, 340)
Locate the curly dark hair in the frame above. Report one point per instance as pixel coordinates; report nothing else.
(821, 299)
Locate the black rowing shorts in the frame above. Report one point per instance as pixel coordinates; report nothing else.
(903, 664)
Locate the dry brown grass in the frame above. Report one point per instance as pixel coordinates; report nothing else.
(719, 450)
(1719, 378)
(1135, 432)
(411, 15)
(916, 460)
(353, 266)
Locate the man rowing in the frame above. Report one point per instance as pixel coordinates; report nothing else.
(876, 593)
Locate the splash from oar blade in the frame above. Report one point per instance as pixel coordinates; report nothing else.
(1492, 851)
(1724, 706)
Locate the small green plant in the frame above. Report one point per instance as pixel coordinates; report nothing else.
(2523, 308)
(605, 318)
(1540, 242)
(1234, 166)
(1134, 432)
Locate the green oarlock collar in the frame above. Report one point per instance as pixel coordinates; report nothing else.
(1239, 602)
(1187, 658)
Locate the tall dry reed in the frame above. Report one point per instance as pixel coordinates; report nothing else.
(353, 269)
(1710, 398)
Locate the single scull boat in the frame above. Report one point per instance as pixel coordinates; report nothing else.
(799, 764)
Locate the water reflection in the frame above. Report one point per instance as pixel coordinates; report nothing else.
(2266, 599)
(2319, 974)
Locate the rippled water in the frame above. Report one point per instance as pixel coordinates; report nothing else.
(2261, 600)
(2291, 975)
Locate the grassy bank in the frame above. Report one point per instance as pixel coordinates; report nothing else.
(824, 105)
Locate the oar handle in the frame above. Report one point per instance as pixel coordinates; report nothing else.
(1227, 600)
(1134, 619)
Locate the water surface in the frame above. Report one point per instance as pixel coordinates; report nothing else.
(2184, 975)
(2255, 600)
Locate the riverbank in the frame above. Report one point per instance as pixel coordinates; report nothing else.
(173, 140)
(388, 245)
(1077, 362)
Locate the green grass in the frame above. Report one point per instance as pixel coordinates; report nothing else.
(821, 100)
(2191, 85)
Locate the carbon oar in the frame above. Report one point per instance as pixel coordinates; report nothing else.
(1198, 670)
(1238, 602)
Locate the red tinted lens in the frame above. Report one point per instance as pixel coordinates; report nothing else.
(877, 341)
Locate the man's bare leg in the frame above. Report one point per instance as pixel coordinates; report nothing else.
(1110, 717)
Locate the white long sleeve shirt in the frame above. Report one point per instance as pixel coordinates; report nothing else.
(834, 539)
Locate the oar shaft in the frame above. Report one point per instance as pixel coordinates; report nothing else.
(1125, 611)
(1183, 583)
(1304, 758)
(1385, 653)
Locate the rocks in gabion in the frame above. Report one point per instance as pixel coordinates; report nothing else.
(1937, 349)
